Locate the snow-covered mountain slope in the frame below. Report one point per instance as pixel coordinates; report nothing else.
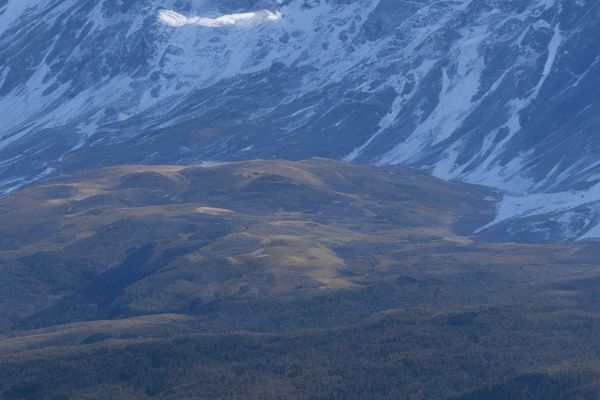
(501, 93)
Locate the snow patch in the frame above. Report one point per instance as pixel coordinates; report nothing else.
(542, 203)
(245, 20)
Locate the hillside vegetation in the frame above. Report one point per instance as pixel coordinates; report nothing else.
(277, 279)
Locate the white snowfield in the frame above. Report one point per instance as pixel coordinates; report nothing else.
(247, 20)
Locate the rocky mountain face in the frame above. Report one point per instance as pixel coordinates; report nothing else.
(494, 92)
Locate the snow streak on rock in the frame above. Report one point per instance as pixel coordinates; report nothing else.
(249, 19)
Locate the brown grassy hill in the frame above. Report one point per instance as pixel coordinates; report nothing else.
(278, 279)
(136, 239)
